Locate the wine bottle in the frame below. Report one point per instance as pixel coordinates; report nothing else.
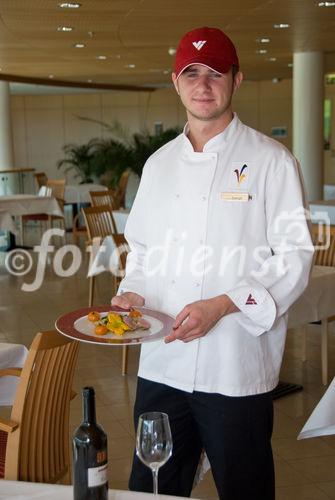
(90, 466)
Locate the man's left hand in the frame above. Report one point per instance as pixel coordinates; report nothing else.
(196, 319)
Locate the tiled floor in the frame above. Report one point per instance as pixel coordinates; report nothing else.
(305, 470)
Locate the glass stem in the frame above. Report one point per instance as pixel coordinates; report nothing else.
(155, 480)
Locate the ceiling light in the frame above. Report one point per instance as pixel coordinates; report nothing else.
(69, 5)
(172, 51)
(326, 4)
(79, 45)
(101, 58)
(64, 28)
(263, 40)
(281, 25)
(166, 71)
(51, 76)
(130, 66)
(272, 59)
(261, 51)
(89, 81)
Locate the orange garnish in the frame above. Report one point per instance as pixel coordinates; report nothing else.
(101, 330)
(93, 316)
(135, 313)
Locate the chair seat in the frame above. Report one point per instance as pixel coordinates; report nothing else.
(3, 446)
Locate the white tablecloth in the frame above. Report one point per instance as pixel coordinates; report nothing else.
(23, 204)
(6, 222)
(329, 192)
(11, 355)
(317, 302)
(318, 208)
(80, 193)
(21, 490)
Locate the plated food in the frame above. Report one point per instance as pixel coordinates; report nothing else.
(116, 323)
(77, 326)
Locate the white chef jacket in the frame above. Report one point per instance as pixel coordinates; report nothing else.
(227, 220)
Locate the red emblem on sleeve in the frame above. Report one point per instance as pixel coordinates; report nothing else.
(250, 300)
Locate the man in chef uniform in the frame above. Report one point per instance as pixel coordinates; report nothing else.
(219, 240)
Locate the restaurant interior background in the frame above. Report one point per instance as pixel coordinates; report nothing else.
(132, 42)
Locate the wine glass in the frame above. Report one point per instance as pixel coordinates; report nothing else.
(154, 442)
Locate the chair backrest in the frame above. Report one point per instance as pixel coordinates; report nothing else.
(123, 248)
(41, 179)
(38, 449)
(58, 189)
(99, 221)
(99, 198)
(45, 191)
(324, 242)
(120, 191)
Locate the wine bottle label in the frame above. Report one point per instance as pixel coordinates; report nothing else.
(96, 476)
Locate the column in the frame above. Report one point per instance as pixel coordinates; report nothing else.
(7, 181)
(308, 97)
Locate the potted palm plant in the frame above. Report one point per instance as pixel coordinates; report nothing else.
(79, 158)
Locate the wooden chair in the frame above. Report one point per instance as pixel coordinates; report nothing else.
(119, 193)
(100, 223)
(41, 179)
(323, 238)
(107, 197)
(36, 438)
(57, 189)
(324, 242)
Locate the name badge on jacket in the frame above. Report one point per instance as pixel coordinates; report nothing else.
(236, 196)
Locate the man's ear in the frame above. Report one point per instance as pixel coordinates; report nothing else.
(238, 80)
(175, 82)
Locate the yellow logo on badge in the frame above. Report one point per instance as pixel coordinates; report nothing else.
(240, 175)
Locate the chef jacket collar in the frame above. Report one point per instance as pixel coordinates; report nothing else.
(214, 144)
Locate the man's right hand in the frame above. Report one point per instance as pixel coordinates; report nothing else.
(127, 300)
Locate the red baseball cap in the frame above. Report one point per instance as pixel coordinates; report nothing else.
(207, 46)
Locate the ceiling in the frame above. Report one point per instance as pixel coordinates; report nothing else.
(135, 36)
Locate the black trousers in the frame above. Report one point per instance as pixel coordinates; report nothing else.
(234, 431)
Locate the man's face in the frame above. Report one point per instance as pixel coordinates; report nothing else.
(205, 93)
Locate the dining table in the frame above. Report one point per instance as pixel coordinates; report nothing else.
(27, 204)
(21, 490)
(316, 304)
(6, 222)
(80, 193)
(321, 208)
(11, 356)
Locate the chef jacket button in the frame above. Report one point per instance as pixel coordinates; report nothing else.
(204, 198)
(197, 283)
(173, 282)
(177, 195)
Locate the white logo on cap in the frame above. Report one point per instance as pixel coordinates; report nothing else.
(200, 44)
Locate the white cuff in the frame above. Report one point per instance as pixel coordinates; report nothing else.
(256, 305)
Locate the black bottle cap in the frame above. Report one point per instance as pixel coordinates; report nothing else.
(88, 391)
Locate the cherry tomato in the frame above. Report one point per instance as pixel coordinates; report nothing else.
(93, 316)
(101, 330)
